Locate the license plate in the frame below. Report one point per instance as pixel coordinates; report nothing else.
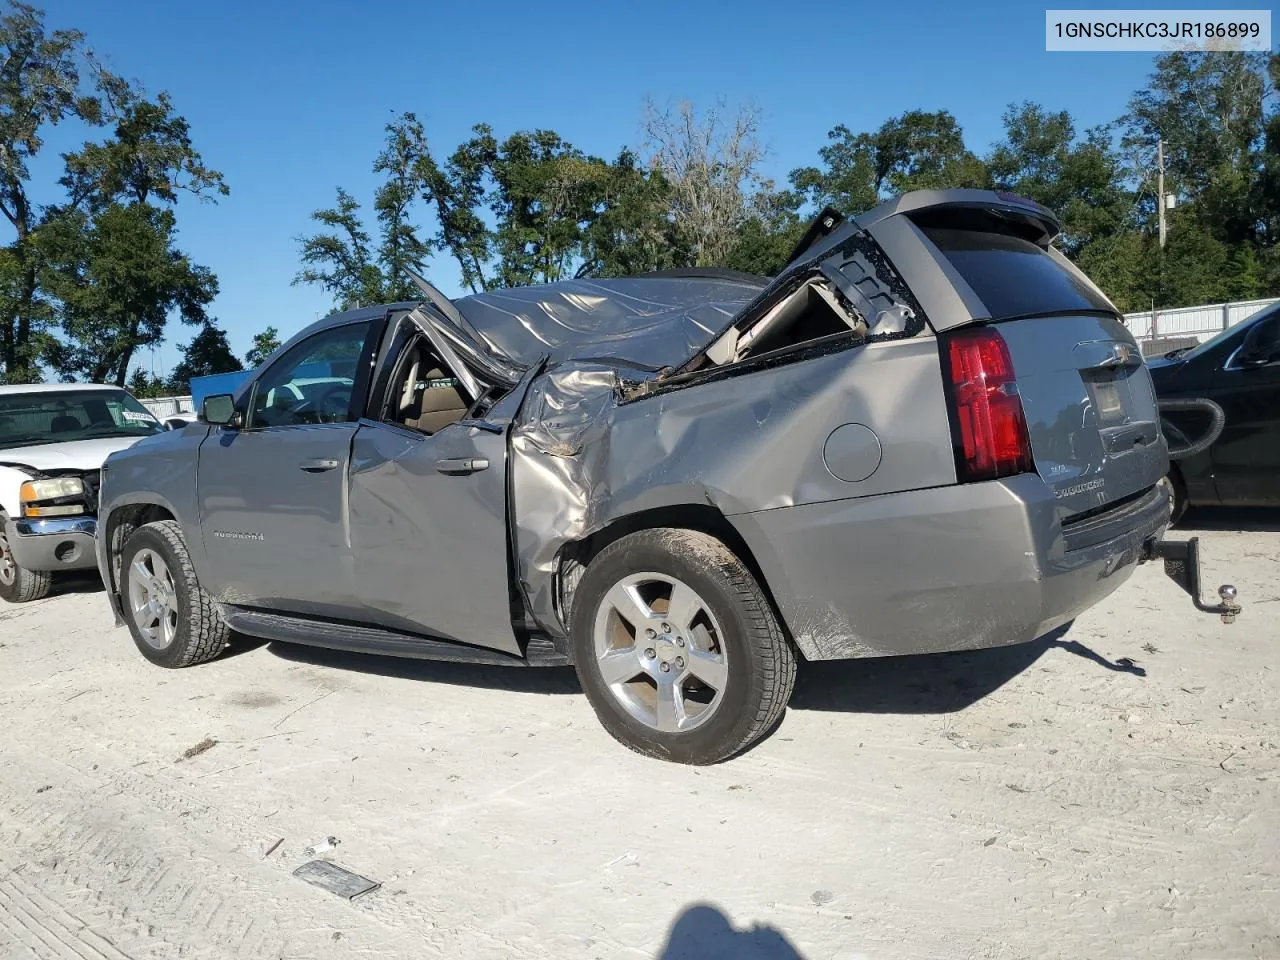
(1107, 399)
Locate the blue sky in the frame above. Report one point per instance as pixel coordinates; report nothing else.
(289, 100)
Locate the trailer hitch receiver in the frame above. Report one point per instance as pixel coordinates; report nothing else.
(1182, 566)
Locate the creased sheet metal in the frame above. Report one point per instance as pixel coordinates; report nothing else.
(582, 458)
(590, 447)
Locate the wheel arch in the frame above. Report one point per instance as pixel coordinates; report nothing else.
(699, 517)
(116, 527)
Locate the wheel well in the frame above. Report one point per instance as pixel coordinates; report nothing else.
(121, 524)
(702, 518)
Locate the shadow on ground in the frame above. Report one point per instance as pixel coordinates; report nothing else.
(930, 683)
(703, 932)
(548, 680)
(1250, 519)
(79, 581)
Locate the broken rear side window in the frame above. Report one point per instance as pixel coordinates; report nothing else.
(1012, 276)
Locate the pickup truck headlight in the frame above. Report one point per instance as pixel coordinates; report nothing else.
(47, 498)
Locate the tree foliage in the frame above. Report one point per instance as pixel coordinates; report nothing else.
(92, 273)
(207, 353)
(532, 208)
(264, 344)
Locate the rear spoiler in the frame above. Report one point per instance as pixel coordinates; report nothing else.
(972, 209)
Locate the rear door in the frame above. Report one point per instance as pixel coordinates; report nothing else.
(1089, 403)
(428, 494)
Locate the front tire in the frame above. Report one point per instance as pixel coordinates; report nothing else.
(173, 621)
(677, 647)
(18, 584)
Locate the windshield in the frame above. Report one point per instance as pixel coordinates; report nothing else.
(64, 416)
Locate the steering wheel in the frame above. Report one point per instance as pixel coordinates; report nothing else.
(335, 404)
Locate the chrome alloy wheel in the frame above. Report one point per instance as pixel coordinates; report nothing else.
(152, 599)
(661, 652)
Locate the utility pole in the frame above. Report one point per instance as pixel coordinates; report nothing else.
(1160, 188)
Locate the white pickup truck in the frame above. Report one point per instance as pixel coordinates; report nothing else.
(53, 439)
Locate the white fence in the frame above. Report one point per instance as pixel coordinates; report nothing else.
(168, 406)
(1198, 323)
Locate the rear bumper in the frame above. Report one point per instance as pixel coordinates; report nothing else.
(64, 543)
(951, 568)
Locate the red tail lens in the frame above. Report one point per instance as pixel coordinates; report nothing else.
(989, 425)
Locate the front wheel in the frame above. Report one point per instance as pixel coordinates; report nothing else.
(677, 647)
(173, 621)
(18, 584)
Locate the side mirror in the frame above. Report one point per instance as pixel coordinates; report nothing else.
(219, 410)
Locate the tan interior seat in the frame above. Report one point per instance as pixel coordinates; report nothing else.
(430, 399)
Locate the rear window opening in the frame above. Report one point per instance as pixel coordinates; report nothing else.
(1014, 277)
(810, 312)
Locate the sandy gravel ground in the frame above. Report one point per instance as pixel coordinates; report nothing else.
(1113, 791)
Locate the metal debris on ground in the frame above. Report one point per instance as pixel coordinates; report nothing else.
(208, 743)
(325, 845)
(335, 879)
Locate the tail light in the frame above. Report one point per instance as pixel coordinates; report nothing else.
(987, 421)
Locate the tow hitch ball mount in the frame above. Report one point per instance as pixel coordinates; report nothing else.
(1182, 566)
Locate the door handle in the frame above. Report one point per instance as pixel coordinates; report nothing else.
(462, 465)
(318, 465)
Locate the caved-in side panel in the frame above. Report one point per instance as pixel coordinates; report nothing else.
(741, 443)
(756, 441)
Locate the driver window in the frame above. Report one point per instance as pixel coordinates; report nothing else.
(312, 383)
(423, 394)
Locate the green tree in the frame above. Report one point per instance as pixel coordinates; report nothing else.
(770, 233)
(118, 276)
(341, 259)
(40, 86)
(631, 232)
(145, 385)
(1081, 179)
(918, 150)
(1210, 111)
(207, 353)
(264, 344)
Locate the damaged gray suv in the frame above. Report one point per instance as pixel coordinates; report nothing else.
(929, 432)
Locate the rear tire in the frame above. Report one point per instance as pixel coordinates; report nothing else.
(677, 647)
(18, 584)
(173, 621)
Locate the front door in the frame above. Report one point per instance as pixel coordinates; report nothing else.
(428, 501)
(1246, 458)
(272, 494)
